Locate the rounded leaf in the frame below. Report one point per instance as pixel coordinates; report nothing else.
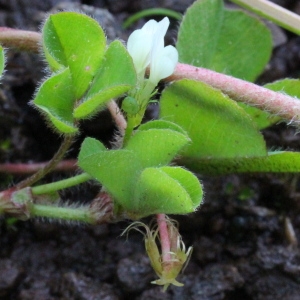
(188, 181)
(56, 98)
(76, 41)
(158, 192)
(226, 41)
(217, 126)
(116, 170)
(89, 147)
(115, 77)
(156, 147)
(162, 124)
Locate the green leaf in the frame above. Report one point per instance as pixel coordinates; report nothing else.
(187, 180)
(226, 41)
(156, 147)
(261, 118)
(217, 126)
(160, 190)
(56, 99)
(286, 86)
(89, 147)
(275, 162)
(115, 77)
(264, 119)
(117, 170)
(2, 60)
(76, 41)
(162, 124)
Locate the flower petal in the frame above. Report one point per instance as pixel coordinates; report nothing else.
(163, 26)
(163, 64)
(141, 41)
(146, 46)
(150, 27)
(139, 47)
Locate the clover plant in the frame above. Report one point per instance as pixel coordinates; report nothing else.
(205, 123)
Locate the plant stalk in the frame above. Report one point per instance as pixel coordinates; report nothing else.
(276, 103)
(58, 156)
(78, 214)
(284, 106)
(59, 185)
(68, 165)
(20, 39)
(164, 237)
(273, 12)
(117, 116)
(129, 129)
(150, 12)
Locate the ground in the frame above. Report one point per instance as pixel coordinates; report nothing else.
(244, 235)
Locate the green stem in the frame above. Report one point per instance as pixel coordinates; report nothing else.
(273, 12)
(131, 121)
(135, 120)
(150, 12)
(79, 214)
(59, 185)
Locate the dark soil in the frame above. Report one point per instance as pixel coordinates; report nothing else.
(244, 235)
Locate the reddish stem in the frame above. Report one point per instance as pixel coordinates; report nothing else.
(276, 103)
(117, 116)
(50, 165)
(164, 237)
(20, 39)
(29, 168)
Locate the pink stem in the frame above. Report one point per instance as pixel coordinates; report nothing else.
(21, 168)
(117, 116)
(50, 165)
(164, 237)
(276, 103)
(20, 39)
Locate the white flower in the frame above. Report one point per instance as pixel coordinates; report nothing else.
(146, 47)
(163, 62)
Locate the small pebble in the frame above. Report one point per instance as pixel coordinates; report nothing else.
(135, 273)
(9, 276)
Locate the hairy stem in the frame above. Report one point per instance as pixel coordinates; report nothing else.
(273, 12)
(59, 185)
(278, 104)
(282, 105)
(20, 39)
(68, 165)
(164, 237)
(129, 129)
(68, 139)
(117, 116)
(79, 214)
